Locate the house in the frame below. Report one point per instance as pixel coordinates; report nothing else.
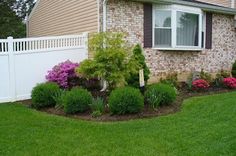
(177, 35)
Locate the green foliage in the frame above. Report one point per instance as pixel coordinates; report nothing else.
(43, 95)
(58, 98)
(160, 94)
(234, 70)
(220, 77)
(97, 107)
(126, 100)
(111, 61)
(190, 81)
(76, 100)
(11, 24)
(171, 79)
(205, 76)
(139, 62)
(96, 114)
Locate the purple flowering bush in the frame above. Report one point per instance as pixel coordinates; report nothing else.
(63, 73)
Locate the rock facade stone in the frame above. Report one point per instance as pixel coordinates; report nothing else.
(126, 16)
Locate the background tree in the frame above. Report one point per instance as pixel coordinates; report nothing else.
(12, 17)
(23, 7)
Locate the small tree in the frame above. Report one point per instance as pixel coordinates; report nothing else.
(111, 62)
(138, 57)
(234, 70)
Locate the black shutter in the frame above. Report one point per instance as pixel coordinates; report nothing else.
(208, 30)
(147, 25)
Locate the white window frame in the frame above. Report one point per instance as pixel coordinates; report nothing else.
(174, 9)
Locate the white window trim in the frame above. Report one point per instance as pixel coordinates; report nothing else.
(174, 9)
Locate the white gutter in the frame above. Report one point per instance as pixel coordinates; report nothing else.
(104, 24)
(232, 3)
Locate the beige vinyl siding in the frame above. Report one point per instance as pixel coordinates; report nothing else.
(225, 3)
(63, 17)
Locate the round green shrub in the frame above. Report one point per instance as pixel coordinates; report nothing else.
(160, 94)
(126, 100)
(43, 95)
(76, 100)
(234, 70)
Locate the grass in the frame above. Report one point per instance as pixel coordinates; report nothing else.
(206, 126)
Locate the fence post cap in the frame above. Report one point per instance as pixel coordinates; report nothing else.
(85, 33)
(10, 37)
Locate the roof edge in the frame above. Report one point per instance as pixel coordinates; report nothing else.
(203, 6)
(33, 10)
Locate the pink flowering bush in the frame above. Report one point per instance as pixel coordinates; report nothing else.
(200, 84)
(63, 73)
(230, 82)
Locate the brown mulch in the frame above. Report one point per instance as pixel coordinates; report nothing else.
(146, 113)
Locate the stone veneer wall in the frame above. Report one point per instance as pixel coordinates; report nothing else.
(125, 16)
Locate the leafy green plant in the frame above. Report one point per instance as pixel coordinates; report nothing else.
(139, 59)
(234, 70)
(96, 114)
(97, 106)
(76, 100)
(43, 95)
(125, 100)
(160, 94)
(111, 62)
(58, 97)
(205, 76)
(171, 79)
(220, 77)
(190, 81)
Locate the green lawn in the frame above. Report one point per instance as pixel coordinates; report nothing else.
(205, 126)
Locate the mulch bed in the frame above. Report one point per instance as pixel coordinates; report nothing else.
(146, 113)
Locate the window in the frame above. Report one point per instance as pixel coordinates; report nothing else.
(163, 28)
(177, 28)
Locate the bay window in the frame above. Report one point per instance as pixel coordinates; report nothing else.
(177, 28)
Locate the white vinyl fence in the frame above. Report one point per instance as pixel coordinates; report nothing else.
(25, 62)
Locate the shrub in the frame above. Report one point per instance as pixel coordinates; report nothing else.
(63, 74)
(205, 76)
(43, 95)
(126, 100)
(200, 84)
(171, 79)
(97, 106)
(139, 59)
(160, 94)
(234, 70)
(230, 82)
(111, 61)
(220, 77)
(76, 100)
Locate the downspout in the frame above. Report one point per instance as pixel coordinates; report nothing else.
(27, 26)
(233, 6)
(104, 8)
(104, 29)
